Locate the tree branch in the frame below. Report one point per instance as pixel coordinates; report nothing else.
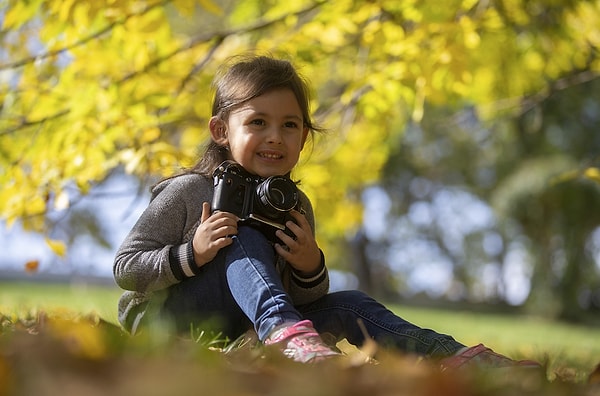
(524, 103)
(219, 37)
(27, 123)
(195, 69)
(83, 41)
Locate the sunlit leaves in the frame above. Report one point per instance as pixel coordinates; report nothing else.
(91, 86)
(20, 13)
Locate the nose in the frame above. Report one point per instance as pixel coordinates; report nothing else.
(274, 135)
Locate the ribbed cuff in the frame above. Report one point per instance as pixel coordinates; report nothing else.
(181, 259)
(313, 280)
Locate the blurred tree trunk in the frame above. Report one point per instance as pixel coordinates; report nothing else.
(374, 277)
(361, 265)
(559, 221)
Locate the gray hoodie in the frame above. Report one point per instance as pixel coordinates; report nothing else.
(157, 252)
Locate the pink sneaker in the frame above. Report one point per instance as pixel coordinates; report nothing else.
(483, 357)
(301, 342)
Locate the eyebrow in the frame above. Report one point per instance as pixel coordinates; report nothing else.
(263, 114)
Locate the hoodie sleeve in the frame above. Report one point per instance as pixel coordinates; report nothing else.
(157, 252)
(304, 290)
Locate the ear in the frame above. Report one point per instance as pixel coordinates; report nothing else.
(304, 137)
(218, 130)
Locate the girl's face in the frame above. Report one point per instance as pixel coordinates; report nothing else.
(265, 135)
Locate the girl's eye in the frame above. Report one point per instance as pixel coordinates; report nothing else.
(291, 124)
(257, 122)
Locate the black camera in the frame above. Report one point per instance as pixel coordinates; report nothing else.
(263, 203)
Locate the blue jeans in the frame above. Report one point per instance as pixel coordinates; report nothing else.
(242, 289)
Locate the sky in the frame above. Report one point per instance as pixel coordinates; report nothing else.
(118, 205)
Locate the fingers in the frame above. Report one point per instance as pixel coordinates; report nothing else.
(300, 228)
(221, 242)
(205, 212)
(283, 252)
(302, 252)
(218, 218)
(300, 219)
(217, 226)
(300, 232)
(223, 225)
(213, 234)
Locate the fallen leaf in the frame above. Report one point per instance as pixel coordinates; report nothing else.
(32, 266)
(594, 377)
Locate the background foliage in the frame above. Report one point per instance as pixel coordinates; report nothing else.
(93, 88)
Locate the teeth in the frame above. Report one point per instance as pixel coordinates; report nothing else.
(272, 156)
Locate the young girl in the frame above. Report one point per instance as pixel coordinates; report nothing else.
(182, 263)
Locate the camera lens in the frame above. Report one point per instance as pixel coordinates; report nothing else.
(277, 194)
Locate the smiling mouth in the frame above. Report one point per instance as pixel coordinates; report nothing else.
(270, 156)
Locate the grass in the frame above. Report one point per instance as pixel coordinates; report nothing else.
(515, 335)
(569, 351)
(84, 298)
(558, 344)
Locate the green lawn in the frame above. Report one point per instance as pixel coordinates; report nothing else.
(558, 344)
(23, 296)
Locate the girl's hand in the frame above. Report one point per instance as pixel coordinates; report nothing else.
(303, 252)
(213, 234)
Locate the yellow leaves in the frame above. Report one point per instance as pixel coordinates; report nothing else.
(82, 18)
(360, 153)
(211, 7)
(330, 36)
(593, 174)
(192, 137)
(148, 22)
(185, 7)
(534, 61)
(82, 337)
(419, 104)
(395, 42)
(516, 12)
(121, 98)
(131, 159)
(412, 13)
(491, 21)
(19, 198)
(149, 135)
(64, 9)
(20, 12)
(585, 20)
(471, 38)
(58, 247)
(188, 7)
(156, 158)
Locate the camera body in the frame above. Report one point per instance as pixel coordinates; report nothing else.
(263, 203)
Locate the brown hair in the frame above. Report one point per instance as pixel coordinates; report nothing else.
(245, 79)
